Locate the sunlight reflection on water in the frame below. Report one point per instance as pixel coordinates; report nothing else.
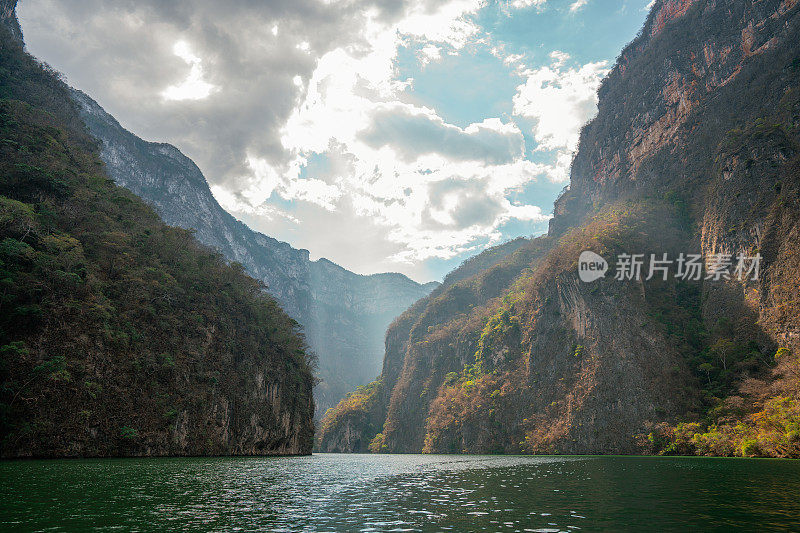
(328, 492)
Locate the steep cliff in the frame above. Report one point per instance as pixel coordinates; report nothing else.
(344, 315)
(435, 325)
(8, 19)
(695, 149)
(120, 335)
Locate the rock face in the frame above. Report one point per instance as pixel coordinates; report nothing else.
(120, 335)
(344, 315)
(8, 19)
(695, 149)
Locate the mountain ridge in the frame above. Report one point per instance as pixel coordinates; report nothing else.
(120, 335)
(344, 314)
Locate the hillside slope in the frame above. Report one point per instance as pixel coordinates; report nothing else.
(344, 315)
(695, 149)
(120, 335)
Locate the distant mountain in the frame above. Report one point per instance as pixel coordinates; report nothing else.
(696, 150)
(120, 335)
(344, 315)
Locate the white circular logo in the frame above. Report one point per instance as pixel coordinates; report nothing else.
(591, 266)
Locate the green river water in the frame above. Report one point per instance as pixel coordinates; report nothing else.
(327, 492)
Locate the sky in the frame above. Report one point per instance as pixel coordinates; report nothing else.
(385, 135)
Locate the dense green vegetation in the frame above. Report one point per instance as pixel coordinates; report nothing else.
(490, 404)
(119, 334)
(360, 409)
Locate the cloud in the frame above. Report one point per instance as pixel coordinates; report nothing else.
(315, 191)
(577, 5)
(458, 204)
(440, 22)
(522, 4)
(193, 87)
(255, 91)
(429, 53)
(438, 189)
(559, 100)
(414, 132)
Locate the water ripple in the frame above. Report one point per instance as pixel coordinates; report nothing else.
(400, 493)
